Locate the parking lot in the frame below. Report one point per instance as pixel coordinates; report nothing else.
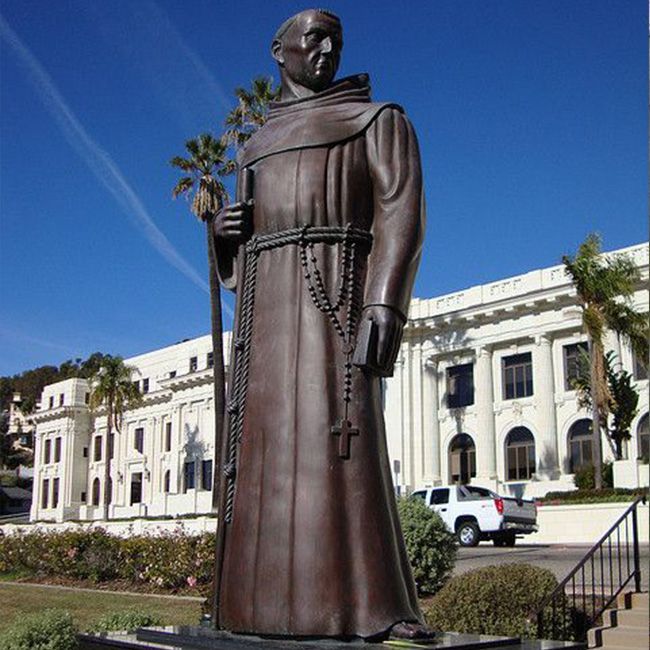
(559, 558)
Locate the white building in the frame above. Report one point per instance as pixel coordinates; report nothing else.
(481, 392)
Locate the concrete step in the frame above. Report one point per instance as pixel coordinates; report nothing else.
(630, 618)
(627, 637)
(627, 627)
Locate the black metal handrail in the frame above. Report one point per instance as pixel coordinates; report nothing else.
(567, 613)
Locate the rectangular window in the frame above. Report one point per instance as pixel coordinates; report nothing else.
(460, 385)
(640, 368)
(97, 455)
(85, 452)
(136, 488)
(51, 401)
(136, 384)
(168, 436)
(574, 363)
(206, 475)
(518, 376)
(145, 385)
(82, 498)
(210, 360)
(194, 364)
(172, 374)
(138, 439)
(87, 398)
(189, 476)
(47, 451)
(55, 492)
(111, 446)
(45, 489)
(439, 497)
(61, 399)
(57, 450)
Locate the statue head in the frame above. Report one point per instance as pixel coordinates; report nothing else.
(307, 48)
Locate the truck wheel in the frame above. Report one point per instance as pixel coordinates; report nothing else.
(509, 539)
(468, 534)
(498, 541)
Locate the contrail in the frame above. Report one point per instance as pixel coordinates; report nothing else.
(99, 161)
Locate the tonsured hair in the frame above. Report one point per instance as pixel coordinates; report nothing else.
(290, 21)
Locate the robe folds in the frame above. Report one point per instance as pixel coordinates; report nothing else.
(314, 546)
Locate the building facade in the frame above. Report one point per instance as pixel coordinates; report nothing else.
(481, 392)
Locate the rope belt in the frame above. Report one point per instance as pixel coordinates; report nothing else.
(353, 240)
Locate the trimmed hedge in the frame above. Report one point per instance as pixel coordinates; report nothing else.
(430, 546)
(178, 560)
(491, 600)
(606, 495)
(170, 561)
(126, 621)
(48, 630)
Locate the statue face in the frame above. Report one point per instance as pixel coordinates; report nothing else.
(310, 50)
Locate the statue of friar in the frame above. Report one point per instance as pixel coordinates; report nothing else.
(322, 248)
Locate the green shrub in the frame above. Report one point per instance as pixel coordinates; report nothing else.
(584, 478)
(49, 630)
(491, 600)
(431, 548)
(126, 621)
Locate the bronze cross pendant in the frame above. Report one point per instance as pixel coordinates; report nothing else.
(344, 430)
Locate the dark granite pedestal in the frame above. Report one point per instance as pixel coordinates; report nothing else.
(202, 638)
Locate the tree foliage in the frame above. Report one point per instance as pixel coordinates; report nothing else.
(112, 387)
(623, 399)
(205, 165)
(30, 383)
(251, 110)
(605, 286)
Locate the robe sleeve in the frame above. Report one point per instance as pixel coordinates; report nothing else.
(226, 254)
(398, 211)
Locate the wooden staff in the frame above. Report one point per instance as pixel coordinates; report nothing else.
(246, 189)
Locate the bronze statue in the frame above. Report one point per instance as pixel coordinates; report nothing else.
(322, 248)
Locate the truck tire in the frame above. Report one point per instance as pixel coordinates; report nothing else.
(509, 539)
(504, 539)
(468, 534)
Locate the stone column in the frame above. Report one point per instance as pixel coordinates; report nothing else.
(546, 452)
(486, 463)
(417, 414)
(431, 436)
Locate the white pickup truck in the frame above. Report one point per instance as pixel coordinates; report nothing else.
(475, 513)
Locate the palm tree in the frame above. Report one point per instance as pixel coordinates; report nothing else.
(251, 111)
(206, 165)
(623, 404)
(113, 388)
(605, 286)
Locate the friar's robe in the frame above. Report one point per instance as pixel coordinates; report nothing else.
(314, 546)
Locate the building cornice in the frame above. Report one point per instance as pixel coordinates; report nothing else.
(58, 413)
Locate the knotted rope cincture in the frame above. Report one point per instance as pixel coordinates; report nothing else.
(348, 295)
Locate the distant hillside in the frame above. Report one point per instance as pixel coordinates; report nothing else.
(30, 383)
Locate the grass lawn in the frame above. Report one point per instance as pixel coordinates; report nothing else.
(86, 607)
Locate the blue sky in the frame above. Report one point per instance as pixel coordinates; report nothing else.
(531, 117)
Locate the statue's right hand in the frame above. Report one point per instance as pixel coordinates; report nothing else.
(234, 222)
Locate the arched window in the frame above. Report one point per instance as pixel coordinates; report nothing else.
(580, 444)
(643, 438)
(520, 454)
(96, 492)
(462, 459)
(167, 482)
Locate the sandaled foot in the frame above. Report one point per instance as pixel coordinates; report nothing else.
(411, 631)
